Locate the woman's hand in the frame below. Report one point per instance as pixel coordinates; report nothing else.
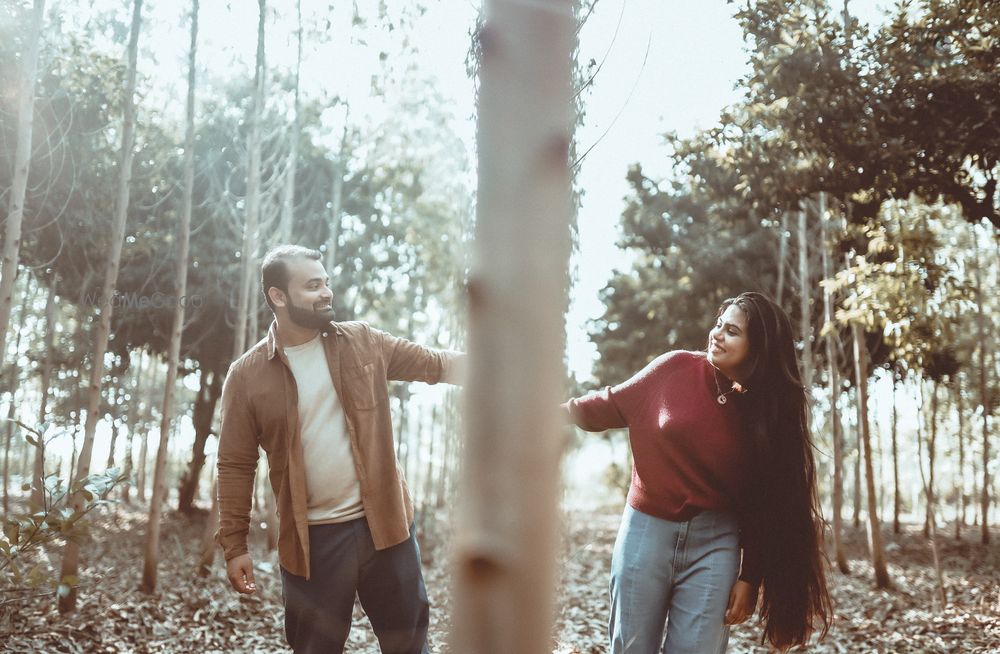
(742, 602)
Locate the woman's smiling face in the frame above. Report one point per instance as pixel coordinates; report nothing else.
(729, 343)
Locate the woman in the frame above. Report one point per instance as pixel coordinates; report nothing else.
(722, 463)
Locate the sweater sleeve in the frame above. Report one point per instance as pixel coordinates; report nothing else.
(612, 406)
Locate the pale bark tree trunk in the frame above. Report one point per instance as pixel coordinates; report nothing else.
(19, 183)
(206, 560)
(931, 455)
(117, 392)
(133, 418)
(252, 217)
(38, 473)
(805, 321)
(70, 564)
(288, 196)
(782, 255)
(858, 457)
(960, 477)
(507, 521)
(874, 528)
(147, 423)
(152, 553)
(930, 526)
(896, 498)
(13, 387)
(984, 399)
(831, 355)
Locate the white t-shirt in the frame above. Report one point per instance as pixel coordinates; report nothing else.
(333, 491)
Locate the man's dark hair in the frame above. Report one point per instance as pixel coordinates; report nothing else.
(274, 268)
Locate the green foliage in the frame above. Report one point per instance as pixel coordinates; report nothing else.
(905, 289)
(64, 515)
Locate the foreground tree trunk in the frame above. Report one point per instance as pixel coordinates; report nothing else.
(70, 564)
(874, 528)
(19, 183)
(506, 532)
(152, 556)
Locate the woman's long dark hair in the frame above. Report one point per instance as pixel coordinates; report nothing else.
(784, 518)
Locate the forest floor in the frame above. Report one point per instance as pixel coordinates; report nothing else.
(191, 614)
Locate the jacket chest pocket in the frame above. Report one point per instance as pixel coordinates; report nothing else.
(359, 387)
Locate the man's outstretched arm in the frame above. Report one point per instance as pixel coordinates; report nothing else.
(408, 361)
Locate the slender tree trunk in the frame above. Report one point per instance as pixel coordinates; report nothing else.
(11, 379)
(857, 469)
(874, 528)
(805, 321)
(896, 498)
(506, 538)
(38, 472)
(19, 183)
(132, 417)
(931, 454)
(117, 392)
(70, 565)
(940, 597)
(204, 411)
(960, 477)
(336, 207)
(984, 500)
(782, 255)
(837, 437)
(207, 559)
(152, 557)
(252, 218)
(146, 422)
(288, 196)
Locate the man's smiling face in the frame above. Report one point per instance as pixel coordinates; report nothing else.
(308, 298)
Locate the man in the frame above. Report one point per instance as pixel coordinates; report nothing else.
(313, 394)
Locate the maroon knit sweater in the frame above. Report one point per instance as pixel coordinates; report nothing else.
(690, 452)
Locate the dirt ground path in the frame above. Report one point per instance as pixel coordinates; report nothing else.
(202, 615)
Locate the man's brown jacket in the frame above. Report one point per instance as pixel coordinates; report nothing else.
(259, 407)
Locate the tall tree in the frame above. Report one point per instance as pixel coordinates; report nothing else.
(22, 162)
(70, 563)
(288, 193)
(152, 555)
(862, 372)
(836, 427)
(506, 534)
(251, 222)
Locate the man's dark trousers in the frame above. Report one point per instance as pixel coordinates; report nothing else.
(343, 562)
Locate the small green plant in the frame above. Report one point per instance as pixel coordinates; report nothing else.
(61, 516)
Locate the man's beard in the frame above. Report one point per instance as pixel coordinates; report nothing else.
(310, 318)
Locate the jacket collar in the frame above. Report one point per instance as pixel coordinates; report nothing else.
(274, 344)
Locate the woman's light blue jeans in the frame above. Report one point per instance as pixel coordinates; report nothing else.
(670, 583)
